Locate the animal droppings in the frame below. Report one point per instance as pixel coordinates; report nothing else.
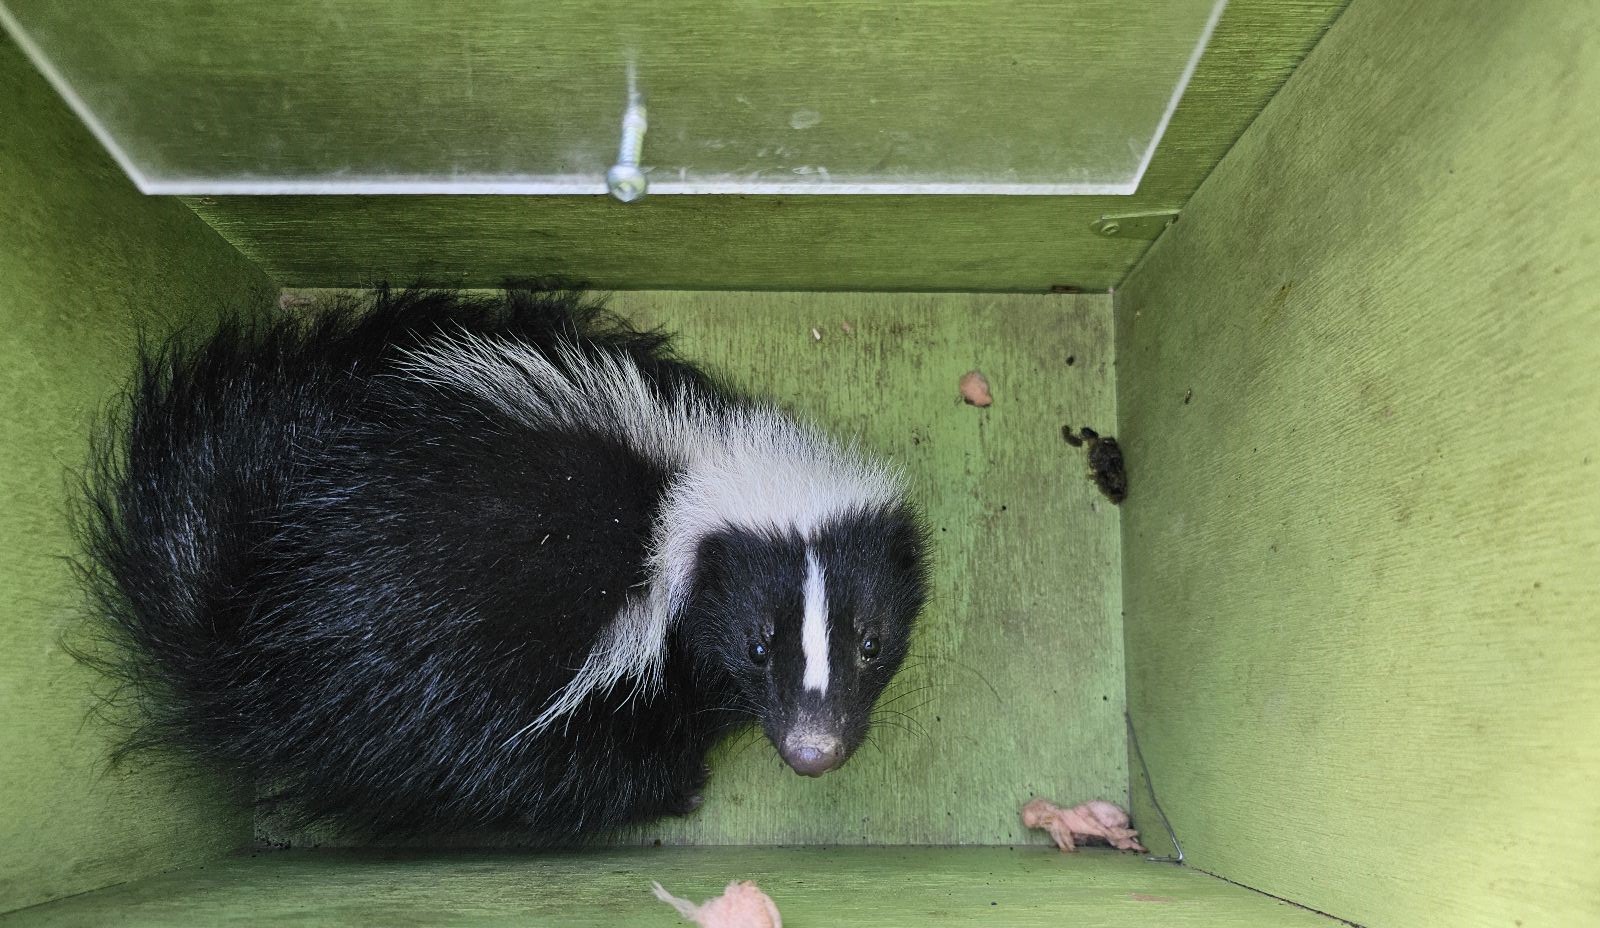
(741, 905)
(1106, 466)
(975, 389)
(1085, 823)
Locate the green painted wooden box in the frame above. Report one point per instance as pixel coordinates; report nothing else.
(1351, 604)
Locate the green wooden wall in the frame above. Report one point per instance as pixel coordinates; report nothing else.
(960, 243)
(1360, 395)
(1021, 645)
(83, 259)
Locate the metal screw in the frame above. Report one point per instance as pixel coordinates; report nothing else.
(1110, 228)
(625, 181)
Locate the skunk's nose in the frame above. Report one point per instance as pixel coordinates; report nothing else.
(812, 756)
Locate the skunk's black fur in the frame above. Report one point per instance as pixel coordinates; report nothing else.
(360, 586)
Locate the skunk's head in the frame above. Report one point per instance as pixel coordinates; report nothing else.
(811, 627)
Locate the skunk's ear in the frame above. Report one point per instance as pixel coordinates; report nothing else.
(711, 567)
(908, 542)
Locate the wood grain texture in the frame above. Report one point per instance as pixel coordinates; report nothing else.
(945, 887)
(782, 243)
(1021, 647)
(1358, 392)
(84, 259)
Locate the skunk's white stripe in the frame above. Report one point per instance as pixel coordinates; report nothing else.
(814, 631)
(613, 659)
(749, 466)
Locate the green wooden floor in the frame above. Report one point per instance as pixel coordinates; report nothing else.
(1014, 688)
(877, 887)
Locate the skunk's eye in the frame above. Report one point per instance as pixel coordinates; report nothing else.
(758, 652)
(869, 647)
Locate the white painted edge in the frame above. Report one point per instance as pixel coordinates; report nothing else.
(582, 185)
(74, 102)
(1177, 92)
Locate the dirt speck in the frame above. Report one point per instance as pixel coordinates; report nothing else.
(1188, 395)
(1072, 359)
(1276, 304)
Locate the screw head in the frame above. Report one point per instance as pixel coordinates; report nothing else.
(1110, 228)
(626, 182)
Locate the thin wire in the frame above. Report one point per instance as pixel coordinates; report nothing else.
(1150, 787)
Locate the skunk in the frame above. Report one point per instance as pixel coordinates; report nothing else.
(432, 562)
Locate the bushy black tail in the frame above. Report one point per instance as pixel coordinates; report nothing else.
(193, 465)
(183, 483)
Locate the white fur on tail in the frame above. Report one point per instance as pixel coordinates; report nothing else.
(749, 467)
